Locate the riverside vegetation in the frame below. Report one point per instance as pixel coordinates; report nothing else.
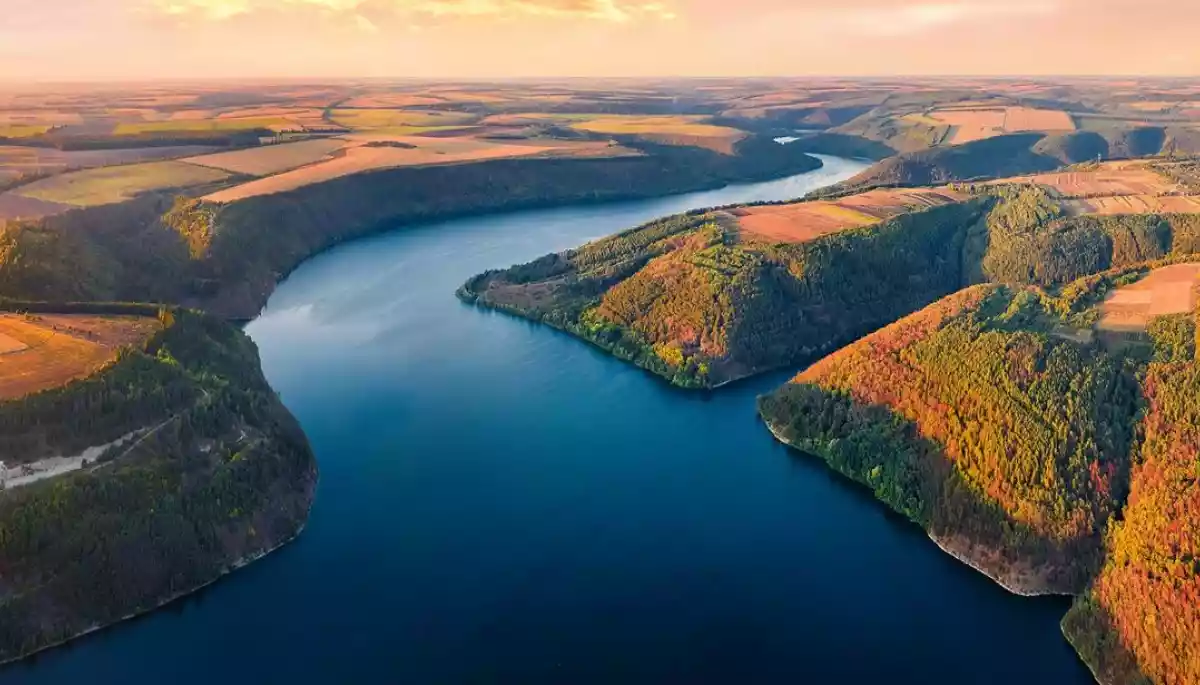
(998, 413)
(1051, 458)
(205, 471)
(182, 462)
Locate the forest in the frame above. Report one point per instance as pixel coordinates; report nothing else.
(1067, 465)
(1139, 620)
(686, 298)
(1008, 436)
(689, 298)
(218, 472)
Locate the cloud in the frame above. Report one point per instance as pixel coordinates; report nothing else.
(606, 10)
(900, 19)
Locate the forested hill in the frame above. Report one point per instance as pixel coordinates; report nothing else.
(227, 258)
(1051, 459)
(207, 470)
(688, 298)
(1140, 620)
(709, 297)
(1008, 443)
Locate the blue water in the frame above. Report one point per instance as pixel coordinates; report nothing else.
(501, 503)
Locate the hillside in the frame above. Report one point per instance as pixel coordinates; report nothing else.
(1140, 620)
(1046, 439)
(165, 468)
(221, 257)
(700, 301)
(709, 297)
(1001, 156)
(983, 423)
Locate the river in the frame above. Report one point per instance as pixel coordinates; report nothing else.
(501, 503)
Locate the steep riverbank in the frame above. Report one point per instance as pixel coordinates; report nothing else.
(523, 531)
(225, 477)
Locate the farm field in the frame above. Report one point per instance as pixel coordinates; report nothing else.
(270, 159)
(41, 352)
(118, 183)
(22, 130)
(1113, 178)
(1136, 204)
(1167, 290)
(371, 119)
(17, 161)
(977, 124)
(804, 221)
(373, 153)
(14, 206)
(667, 129)
(205, 125)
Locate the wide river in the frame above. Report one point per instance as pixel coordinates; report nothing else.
(501, 503)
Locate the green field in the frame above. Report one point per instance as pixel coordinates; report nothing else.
(247, 124)
(398, 118)
(22, 130)
(119, 183)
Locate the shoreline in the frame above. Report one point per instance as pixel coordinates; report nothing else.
(236, 565)
(1087, 664)
(253, 307)
(942, 545)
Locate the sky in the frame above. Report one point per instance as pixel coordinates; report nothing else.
(125, 40)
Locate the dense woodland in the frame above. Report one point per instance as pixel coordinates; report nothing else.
(686, 298)
(974, 420)
(1140, 619)
(982, 418)
(219, 472)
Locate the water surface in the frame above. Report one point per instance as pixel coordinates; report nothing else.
(501, 503)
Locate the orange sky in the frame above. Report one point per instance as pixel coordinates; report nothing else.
(147, 39)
